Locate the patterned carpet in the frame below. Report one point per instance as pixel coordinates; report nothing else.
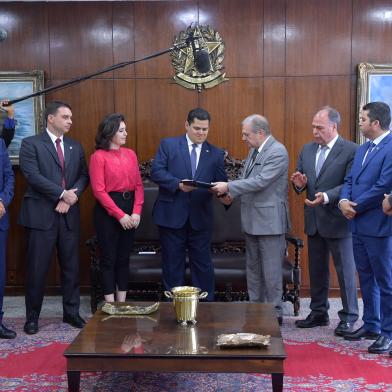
(317, 361)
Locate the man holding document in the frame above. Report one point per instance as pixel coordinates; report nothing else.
(183, 168)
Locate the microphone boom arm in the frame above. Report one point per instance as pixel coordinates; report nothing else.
(89, 76)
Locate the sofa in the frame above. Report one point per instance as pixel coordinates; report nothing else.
(228, 255)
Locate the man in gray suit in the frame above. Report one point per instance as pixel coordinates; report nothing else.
(264, 210)
(322, 166)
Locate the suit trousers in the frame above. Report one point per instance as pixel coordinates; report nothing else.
(175, 244)
(373, 258)
(319, 249)
(40, 247)
(115, 245)
(264, 260)
(3, 248)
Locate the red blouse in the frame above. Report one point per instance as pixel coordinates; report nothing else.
(116, 171)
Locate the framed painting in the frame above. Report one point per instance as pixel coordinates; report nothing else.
(29, 114)
(374, 84)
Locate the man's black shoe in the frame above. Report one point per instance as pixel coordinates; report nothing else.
(312, 321)
(361, 333)
(31, 327)
(6, 333)
(343, 328)
(381, 345)
(74, 321)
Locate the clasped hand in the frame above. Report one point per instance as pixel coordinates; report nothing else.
(130, 221)
(68, 199)
(347, 208)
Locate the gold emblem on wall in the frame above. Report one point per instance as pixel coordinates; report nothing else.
(189, 74)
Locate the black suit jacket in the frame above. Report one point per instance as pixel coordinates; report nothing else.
(326, 219)
(40, 165)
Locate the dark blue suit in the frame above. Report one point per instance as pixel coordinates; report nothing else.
(47, 229)
(6, 193)
(372, 232)
(185, 219)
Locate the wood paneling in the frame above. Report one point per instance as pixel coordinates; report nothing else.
(161, 111)
(372, 32)
(156, 25)
(80, 38)
(125, 103)
(318, 37)
(228, 106)
(241, 26)
(274, 53)
(274, 106)
(283, 58)
(26, 46)
(123, 38)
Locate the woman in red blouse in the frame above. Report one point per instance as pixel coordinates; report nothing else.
(117, 186)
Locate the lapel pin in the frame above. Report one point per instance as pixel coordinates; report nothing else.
(207, 150)
(70, 147)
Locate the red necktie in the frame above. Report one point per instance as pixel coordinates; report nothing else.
(61, 159)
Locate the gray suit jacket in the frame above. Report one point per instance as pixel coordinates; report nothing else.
(263, 191)
(326, 219)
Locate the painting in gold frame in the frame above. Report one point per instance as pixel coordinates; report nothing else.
(29, 114)
(374, 84)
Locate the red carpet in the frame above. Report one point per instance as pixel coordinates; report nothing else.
(317, 361)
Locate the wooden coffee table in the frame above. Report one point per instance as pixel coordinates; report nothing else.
(158, 343)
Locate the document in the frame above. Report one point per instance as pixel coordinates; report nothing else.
(197, 184)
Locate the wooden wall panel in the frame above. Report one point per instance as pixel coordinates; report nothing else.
(125, 103)
(241, 26)
(275, 105)
(81, 38)
(318, 37)
(228, 106)
(26, 47)
(274, 51)
(123, 38)
(156, 25)
(161, 111)
(372, 32)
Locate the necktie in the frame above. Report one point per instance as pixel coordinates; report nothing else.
(321, 159)
(369, 151)
(61, 159)
(252, 160)
(193, 159)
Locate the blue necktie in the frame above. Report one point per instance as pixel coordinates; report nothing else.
(369, 151)
(321, 159)
(193, 159)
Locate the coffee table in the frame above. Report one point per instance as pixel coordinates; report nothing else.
(157, 343)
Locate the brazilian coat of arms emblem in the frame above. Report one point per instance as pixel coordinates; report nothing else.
(208, 42)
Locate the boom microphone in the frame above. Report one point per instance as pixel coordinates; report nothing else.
(201, 56)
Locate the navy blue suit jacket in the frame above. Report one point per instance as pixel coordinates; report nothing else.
(171, 165)
(6, 183)
(366, 185)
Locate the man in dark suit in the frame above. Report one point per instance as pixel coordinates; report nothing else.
(6, 194)
(184, 213)
(361, 203)
(321, 168)
(56, 174)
